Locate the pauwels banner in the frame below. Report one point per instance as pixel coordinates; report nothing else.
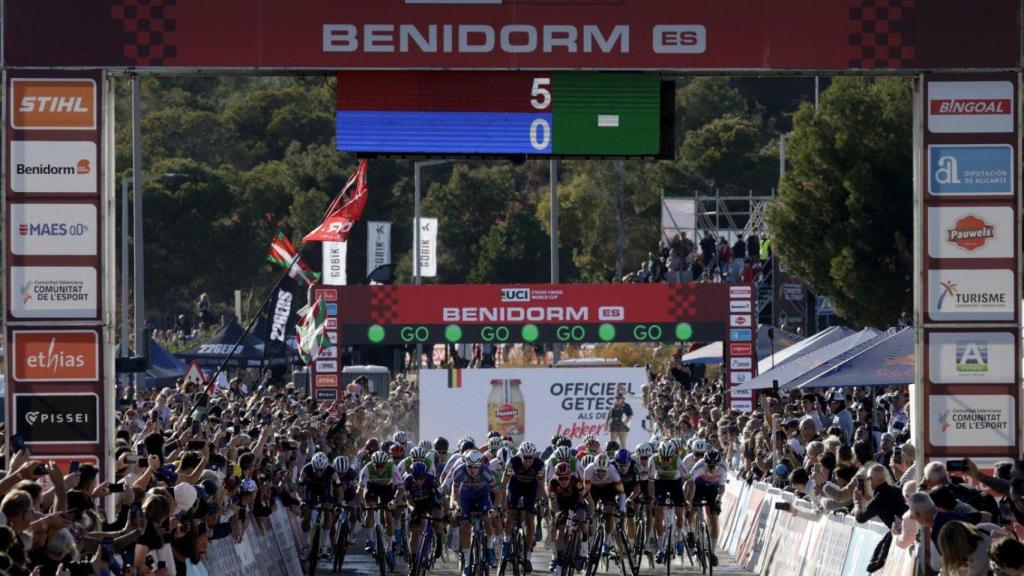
(378, 245)
(532, 403)
(428, 247)
(335, 259)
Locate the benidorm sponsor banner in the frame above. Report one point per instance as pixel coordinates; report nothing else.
(972, 420)
(54, 167)
(970, 232)
(53, 292)
(532, 404)
(971, 295)
(971, 357)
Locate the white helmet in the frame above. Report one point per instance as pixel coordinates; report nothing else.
(474, 459)
(527, 448)
(699, 444)
(643, 449)
(399, 437)
(503, 455)
(417, 453)
(341, 464)
(601, 462)
(380, 457)
(563, 454)
(494, 442)
(426, 445)
(667, 449)
(320, 461)
(587, 460)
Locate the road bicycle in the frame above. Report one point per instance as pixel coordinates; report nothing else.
(478, 546)
(341, 543)
(516, 559)
(379, 553)
(702, 543)
(642, 538)
(429, 547)
(669, 528)
(597, 544)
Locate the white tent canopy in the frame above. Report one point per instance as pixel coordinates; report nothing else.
(823, 338)
(800, 365)
(710, 354)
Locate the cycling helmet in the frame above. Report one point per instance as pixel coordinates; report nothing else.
(426, 445)
(474, 459)
(493, 434)
(563, 470)
(494, 442)
(527, 448)
(699, 445)
(417, 454)
(679, 442)
(656, 440)
(399, 437)
(372, 445)
(341, 465)
(380, 457)
(643, 449)
(418, 470)
(467, 444)
(503, 456)
(397, 450)
(612, 447)
(386, 445)
(563, 454)
(713, 457)
(565, 442)
(601, 462)
(591, 439)
(441, 444)
(507, 442)
(556, 439)
(667, 449)
(320, 461)
(622, 457)
(587, 461)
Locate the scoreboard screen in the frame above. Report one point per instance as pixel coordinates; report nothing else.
(550, 114)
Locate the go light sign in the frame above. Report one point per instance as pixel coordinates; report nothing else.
(480, 113)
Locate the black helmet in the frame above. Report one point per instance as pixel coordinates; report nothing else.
(565, 442)
(612, 447)
(441, 444)
(467, 445)
(712, 457)
(556, 439)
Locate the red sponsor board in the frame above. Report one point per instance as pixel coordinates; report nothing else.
(741, 349)
(517, 34)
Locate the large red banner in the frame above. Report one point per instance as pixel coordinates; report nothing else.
(666, 35)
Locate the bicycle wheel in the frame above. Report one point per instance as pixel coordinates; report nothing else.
(341, 545)
(314, 551)
(594, 557)
(639, 544)
(572, 549)
(382, 561)
(706, 538)
(669, 550)
(426, 550)
(622, 556)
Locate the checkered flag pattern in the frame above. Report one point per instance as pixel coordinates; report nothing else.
(146, 27)
(383, 304)
(879, 38)
(681, 305)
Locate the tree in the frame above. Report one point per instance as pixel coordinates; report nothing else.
(843, 220)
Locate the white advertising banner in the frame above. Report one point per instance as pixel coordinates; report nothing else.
(971, 295)
(54, 292)
(53, 229)
(678, 215)
(428, 247)
(970, 107)
(975, 420)
(335, 259)
(971, 357)
(54, 167)
(378, 245)
(970, 232)
(529, 403)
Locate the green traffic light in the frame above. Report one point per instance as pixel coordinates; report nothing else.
(684, 331)
(530, 332)
(376, 333)
(606, 332)
(453, 333)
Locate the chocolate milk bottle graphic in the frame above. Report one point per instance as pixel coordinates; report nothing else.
(506, 408)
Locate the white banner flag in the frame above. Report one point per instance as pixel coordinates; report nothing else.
(428, 247)
(378, 245)
(334, 262)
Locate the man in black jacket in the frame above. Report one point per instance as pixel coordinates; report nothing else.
(887, 502)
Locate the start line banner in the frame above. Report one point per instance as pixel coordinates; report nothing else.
(530, 403)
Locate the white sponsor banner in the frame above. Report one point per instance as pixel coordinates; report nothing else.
(53, 166)
(971, 357)
(970, 232)
(53, 292)
(378, 245)
(53, 229)
(970, 107)
(530, 403)
(335, 260)
(972, 420)
(678, 215)
(971, 295)
(428, 247)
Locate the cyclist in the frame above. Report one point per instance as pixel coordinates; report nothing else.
(611, 448)
(668, 472)
(591, 446)
(363, 456)
(379, 484)
(397, 452)
(523, 473)
(562, 454)
(497, 466)
(466, 445)
(417, 454)
(604, 485)
(698, 446)
(550, 449)
(567, 495)
(423, 497)
(632, 486)
(402, 438)
(472, 485)
(317, 478)
(440, 455)
(346, 488)
(709, 477)
(493, 445)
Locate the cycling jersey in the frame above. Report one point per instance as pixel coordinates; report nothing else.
(689, 462)
(387, 475)
(568, 498)
(474, 489)
(498, 471)
(610, 476)
(405, 466)
(707, 475)
(549, 469)
(347, 483)
(630, 477)
(318, 484)
(670, 468)
(429, 492)
(523, 482)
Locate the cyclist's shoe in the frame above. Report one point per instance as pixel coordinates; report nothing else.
(391, 559)
(552, 565)
(467, 571)
(690, 543)
(580, 562)
(680, 549)
(714, 560)
(371, 548)
(659, 557)
(606, 550)
(491, 558)
(528, 566)
(506, 548)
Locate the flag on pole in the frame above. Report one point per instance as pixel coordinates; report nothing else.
(310, 330)
(345, 210)
(283, 253)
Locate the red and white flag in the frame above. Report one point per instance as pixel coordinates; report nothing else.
(344, 212)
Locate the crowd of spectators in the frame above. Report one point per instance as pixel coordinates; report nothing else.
(848, 451)
(190, 468)
(679, 259)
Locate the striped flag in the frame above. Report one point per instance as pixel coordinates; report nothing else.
(309, 330)
(455, 377)
(282, 253)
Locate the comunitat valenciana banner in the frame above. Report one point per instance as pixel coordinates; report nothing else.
(529, 403)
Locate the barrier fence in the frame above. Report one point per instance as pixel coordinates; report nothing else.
(800, 541)
(267, 549)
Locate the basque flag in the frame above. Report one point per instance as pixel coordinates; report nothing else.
(345, 211)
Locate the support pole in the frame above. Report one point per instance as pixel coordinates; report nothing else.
(556, 349)
(139, 277)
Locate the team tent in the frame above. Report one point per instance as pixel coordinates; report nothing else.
(248, 353)
(887, 362)
(823, 338)
(164, 368)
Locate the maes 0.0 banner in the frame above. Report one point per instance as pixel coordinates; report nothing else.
(529, 403)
